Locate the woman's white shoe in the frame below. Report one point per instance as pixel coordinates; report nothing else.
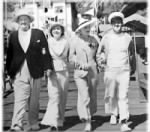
(125, 128)
(113, 120)
(88, 127)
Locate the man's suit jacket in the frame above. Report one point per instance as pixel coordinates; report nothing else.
(37, 60)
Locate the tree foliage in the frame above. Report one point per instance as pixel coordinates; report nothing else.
(84, 5)
(106, 7)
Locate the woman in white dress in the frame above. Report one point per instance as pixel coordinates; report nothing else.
(83, 51)
(57, 80)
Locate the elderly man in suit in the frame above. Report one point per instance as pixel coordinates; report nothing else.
(27, 60)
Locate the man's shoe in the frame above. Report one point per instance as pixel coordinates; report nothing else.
(88, 127)
(53, 129)
(125, 128)
(16, 128)
(113, 120)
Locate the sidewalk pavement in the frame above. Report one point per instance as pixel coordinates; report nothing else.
(100, 122)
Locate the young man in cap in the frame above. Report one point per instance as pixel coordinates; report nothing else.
(27, 59)
(119, 50)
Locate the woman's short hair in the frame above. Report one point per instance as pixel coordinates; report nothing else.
(57, 25)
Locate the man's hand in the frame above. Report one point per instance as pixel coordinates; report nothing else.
(10, 79)
(101, 60)
(48, 73)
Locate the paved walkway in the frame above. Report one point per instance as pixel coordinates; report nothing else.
(138, 121)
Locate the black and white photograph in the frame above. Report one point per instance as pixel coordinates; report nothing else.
(75, 66)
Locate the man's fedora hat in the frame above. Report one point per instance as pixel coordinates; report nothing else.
(23, 12)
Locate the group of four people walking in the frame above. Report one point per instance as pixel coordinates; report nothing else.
(30, 55)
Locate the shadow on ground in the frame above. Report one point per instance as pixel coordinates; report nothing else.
(70, 122)
(98, 121)
(6, 128)
(137, 119)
